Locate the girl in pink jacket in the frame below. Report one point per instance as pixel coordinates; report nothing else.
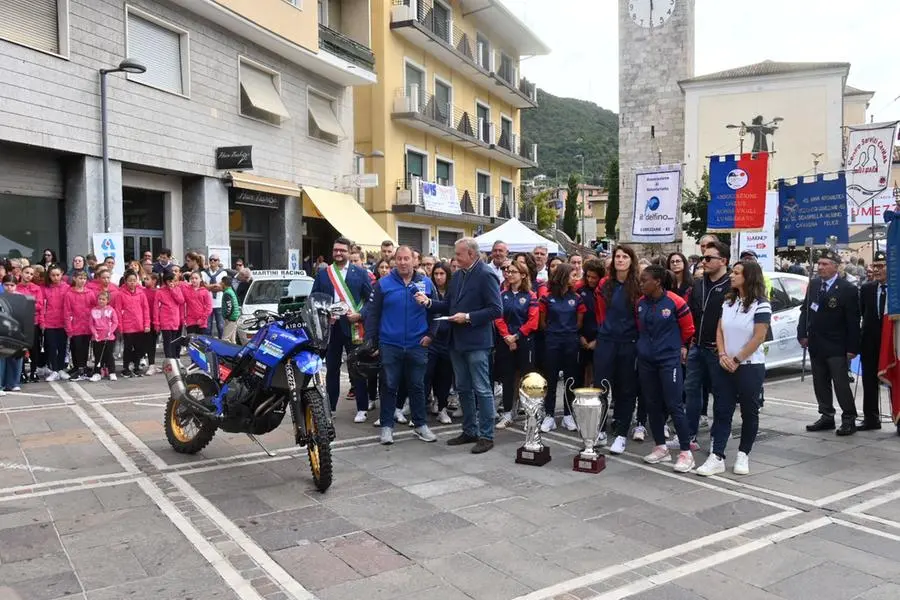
(77, 307)
(104, 322)
(151, 285)
(102, 282)
(28, 287)
(197, 305)
(170, 313)
(55, 324)
(134, 322)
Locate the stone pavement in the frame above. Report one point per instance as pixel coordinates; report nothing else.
(94, 504)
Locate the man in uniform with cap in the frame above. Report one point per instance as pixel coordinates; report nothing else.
(829, 328)
(872, 306)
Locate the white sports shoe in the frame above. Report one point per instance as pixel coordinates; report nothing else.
(742, 464)
(112, 377)
(568, 422)
(685, 462)
(639, 433)
(713, 466)
(95, 377)
(618, 445)
(548, 424)
(444, 418)
(53, 376)
(505, 421)
(399, 417)
(360, 417)
(602, 440)
(64, 375)
(659, 454)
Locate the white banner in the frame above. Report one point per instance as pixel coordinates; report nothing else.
(762, 242)
(869, 155)
(657, 201)
(111, 244)
(862, 215)
(293, 263)
(440, 198)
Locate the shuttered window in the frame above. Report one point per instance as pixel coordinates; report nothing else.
(447, 243)
(161, 50)
(33, 23)
(410, 236)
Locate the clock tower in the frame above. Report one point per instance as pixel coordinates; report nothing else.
(656, 51)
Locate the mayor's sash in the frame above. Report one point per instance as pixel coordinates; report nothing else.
(357, 333)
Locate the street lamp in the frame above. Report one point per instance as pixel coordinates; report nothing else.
(126, 66)
(742, 132)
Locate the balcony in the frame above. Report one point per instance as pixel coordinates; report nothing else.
(475, 208)
(422, 111)
(345, 48)
(433, 31)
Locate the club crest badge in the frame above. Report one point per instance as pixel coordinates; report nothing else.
(666, 313)
(522, 300)
(571, 302)
(832, 303)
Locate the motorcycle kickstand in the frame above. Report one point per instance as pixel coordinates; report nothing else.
(266, 450)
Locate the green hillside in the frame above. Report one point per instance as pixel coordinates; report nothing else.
(556, 125)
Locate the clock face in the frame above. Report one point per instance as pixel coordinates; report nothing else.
(651, 13)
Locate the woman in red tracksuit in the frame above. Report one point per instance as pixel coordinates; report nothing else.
(520, 319)
(665, 327)
(197, 304)
(55, 324)
(134, 323)
(169, 313)
(78, 304)
(27, 287)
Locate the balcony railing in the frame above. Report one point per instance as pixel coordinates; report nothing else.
(409, 192)
(335, 42)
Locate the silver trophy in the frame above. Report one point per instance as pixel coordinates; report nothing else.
(590, 409)
(531, 397)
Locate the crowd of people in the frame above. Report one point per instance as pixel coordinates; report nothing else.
(80, 311)
(675, 340)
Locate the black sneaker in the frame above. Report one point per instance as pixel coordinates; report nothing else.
(127, 374)
(462, 439)
(482, 446)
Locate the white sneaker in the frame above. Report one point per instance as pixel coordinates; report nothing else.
(360, 417)
(618, 445)
(152, 370)
(95, 377)
(548, 424)
(64, 375)
(667, 432)
(498, 389)
(112, 377)
(405, 410)
(53, 376)
(371, 405)
(639, 433)
(659, 454)
(16, 389)
(505, 421)
(685, 462)
(387, 436)
(444, 418)
(713, 466)
(569, 423)
(377, 423)
(741, 464)
(602, 440)
(2, 392)
(399, 417)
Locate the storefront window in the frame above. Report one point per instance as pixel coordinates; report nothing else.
(28, 226)
(249, 227)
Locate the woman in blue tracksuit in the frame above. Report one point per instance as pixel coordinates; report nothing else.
(562, 314)
(439, 372)
(617, 333)
(665, 327)
(587, 335)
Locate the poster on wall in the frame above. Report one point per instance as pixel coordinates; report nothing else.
(869, 156)
(761, 242)
(814, 209)
(293, 262)
(657, 201)
(223, 252)
(737, 192)
(111, 244)
(440, 198)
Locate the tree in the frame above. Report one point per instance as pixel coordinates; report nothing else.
(570, 216)
(612, 203)
(694, 205)
(546, 214)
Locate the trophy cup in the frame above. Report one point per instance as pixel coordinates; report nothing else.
(531, 395)
(589, 409)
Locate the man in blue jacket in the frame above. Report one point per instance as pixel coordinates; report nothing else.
(473, 302)
(351, 284)
(398, 326)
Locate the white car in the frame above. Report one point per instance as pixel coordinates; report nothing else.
(266, 289)
(787, 295)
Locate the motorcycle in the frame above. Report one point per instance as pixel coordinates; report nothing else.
(247, 389)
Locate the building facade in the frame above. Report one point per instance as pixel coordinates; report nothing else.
(445, 112)
(273, 77)
(591, 210)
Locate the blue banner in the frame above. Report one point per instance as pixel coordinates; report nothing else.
(892, 246)
(816, 209)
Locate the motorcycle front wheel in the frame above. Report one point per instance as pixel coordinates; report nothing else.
(318, 446)
(186, 432)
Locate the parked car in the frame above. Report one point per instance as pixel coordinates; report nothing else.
(787, 296)
(265, 291)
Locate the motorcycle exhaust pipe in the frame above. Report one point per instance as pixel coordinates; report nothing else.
(175, 380)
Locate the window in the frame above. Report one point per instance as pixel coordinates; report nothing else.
(506, 68)
(508, 209)
(506, 134)
(443, 174)
(447, 243)
(260, 94)
(484, 123)
(415, 86)
(323, 121)
(484, 51)
(412, 237)
(484, 194)
(323, 12)
(440, 21)
(39, 24)
(443, 97)
(162, 48)
(796, 290)
(415, 166)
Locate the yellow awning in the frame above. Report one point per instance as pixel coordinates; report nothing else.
(246, 181)
(348, 217)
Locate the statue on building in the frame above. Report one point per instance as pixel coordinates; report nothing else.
(759, 129)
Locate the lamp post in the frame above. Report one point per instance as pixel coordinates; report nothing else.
(742, 132)
(126, 66)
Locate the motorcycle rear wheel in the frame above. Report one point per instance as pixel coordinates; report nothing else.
(186, 432)
(318, 446)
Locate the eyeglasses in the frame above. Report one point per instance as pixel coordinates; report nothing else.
(709, 258)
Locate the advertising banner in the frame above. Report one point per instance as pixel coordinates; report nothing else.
(761, 242)
(869, 155)
(814, 209)
(440, 198)
(657, 200)
(293, 263)
(111, 244)
(862, 215)
(737, 192)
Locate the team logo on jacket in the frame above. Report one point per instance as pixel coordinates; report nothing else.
(522, 300)
(506, 296)
(832, 302)
(571, 302)
(666, 313)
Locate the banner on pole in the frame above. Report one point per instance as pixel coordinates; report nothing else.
(111, 244)
(657, 200)
(815, 209)
(892, 247)
(737, 192)
(869, 155)
(761, 242)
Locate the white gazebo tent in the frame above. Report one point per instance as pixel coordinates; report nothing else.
(517, 237)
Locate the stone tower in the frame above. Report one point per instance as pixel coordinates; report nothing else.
(652, 60)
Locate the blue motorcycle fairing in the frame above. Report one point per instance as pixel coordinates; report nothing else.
(278, 343)
(309, 363)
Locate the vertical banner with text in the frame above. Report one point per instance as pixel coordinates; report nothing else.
(737, 192)
(111, 244)
(657, 201)
(814, 209)
(761, 242)
(869, 156)
(892, 248)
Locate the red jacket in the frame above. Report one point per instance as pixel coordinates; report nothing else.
(150, 292)
(37, 292)
(197, 306)
(104, 322)
(95, 285)
(169, 313)
(54, 306)
(134, 312)
(78, 307)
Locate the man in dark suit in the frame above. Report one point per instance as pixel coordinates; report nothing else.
(872, 306)
(351, 284)
(829, 327)
(473, 302)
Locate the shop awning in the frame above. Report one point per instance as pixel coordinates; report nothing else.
(261, 91)
(323, 114)
(348, 217)
(246, 181)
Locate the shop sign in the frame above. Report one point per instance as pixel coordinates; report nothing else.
(234, 157)
(254, 198)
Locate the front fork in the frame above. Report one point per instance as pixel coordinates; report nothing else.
(299, 397)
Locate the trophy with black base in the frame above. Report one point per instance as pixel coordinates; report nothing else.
(531, 395)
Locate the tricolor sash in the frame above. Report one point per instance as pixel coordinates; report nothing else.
(357, 333)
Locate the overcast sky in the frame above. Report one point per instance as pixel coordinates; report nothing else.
(584, 41)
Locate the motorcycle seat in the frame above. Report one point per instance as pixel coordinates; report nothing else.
(225, 349)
